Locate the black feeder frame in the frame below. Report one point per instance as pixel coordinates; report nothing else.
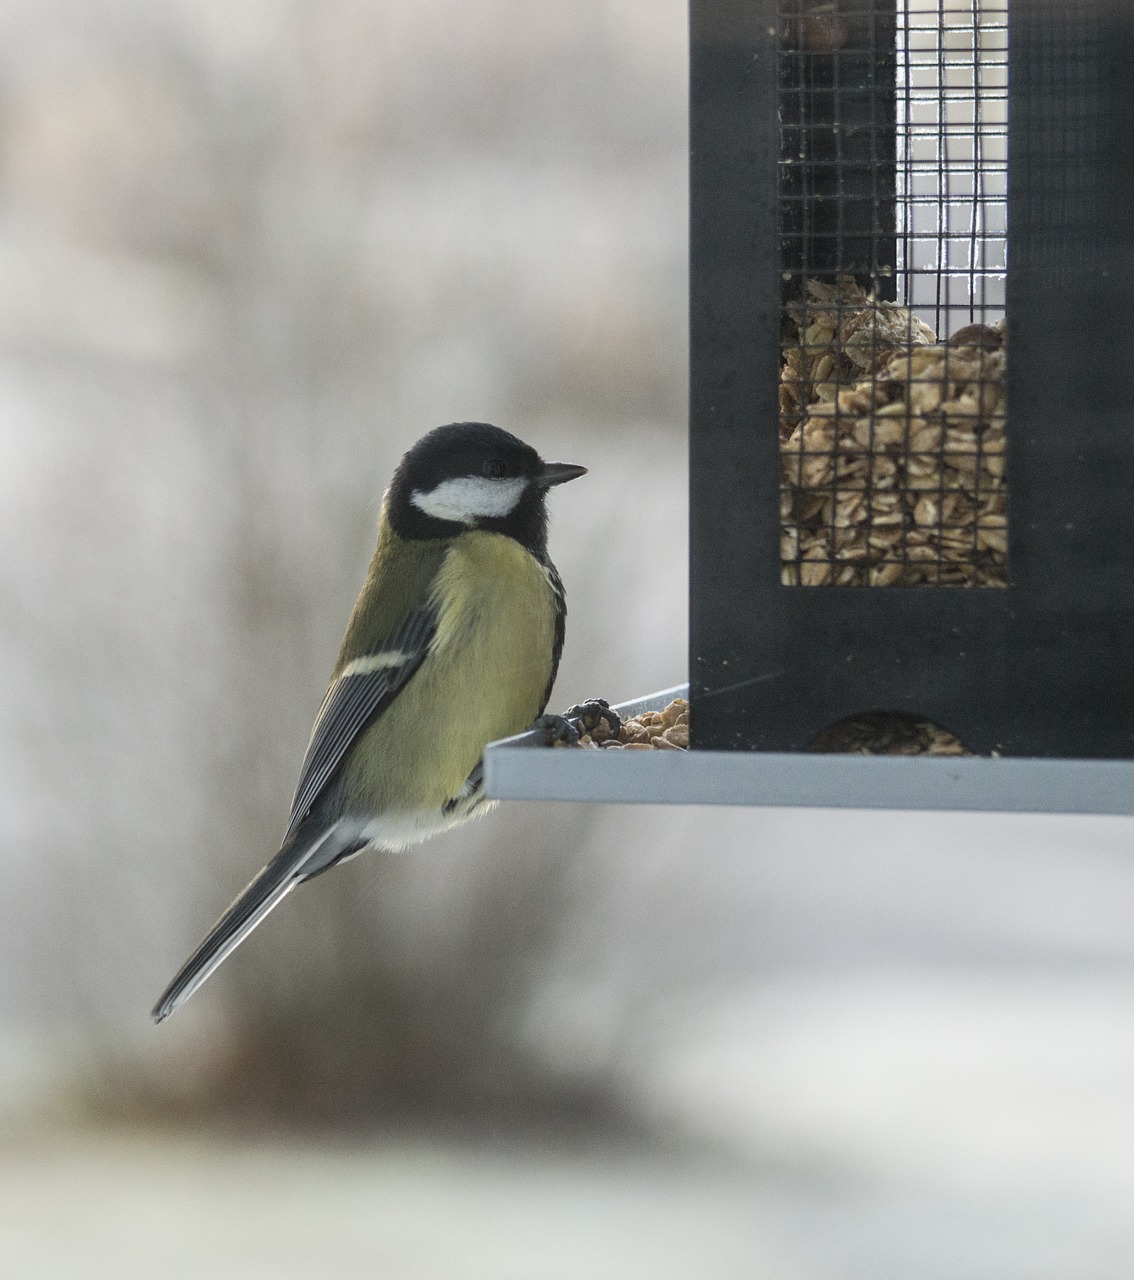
(803, 176)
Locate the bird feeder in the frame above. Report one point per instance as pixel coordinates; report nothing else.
(912, 409)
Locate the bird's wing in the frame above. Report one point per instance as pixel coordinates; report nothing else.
(556, 584)
(363, 690)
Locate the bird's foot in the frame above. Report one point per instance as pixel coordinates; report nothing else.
(594, 718)
(557, 731)
(589, 716)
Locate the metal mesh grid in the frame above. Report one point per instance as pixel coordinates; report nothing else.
(892, 219)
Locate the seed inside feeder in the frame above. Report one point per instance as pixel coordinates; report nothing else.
(892, 447)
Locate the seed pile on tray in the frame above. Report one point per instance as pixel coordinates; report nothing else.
(666, 730)
(892, 447)
(870, 734)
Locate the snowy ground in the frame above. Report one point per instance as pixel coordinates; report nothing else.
(171, 1206)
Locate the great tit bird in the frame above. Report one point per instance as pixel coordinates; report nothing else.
(453, 642)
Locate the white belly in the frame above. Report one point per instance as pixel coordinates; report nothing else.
(400, 830)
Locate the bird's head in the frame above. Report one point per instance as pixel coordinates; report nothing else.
(471, 475)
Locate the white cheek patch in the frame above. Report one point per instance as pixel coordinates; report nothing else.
(470, 498)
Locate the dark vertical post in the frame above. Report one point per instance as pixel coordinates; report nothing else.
(735, 308)
(1071, 365)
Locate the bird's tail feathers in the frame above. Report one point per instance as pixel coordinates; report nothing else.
(266, 890)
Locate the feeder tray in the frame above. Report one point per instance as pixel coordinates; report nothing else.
(523, 768)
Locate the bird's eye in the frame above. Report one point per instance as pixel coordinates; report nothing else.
(494, 468)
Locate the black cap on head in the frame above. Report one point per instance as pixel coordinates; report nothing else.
(474, 475)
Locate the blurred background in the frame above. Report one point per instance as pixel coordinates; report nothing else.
(249, 251)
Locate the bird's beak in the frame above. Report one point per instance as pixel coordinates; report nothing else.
(558, 473)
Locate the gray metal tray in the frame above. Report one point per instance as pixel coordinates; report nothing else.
(520, 768)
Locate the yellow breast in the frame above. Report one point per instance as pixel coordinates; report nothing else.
(484, 678)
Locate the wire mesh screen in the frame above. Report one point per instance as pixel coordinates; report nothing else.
(892, 222)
